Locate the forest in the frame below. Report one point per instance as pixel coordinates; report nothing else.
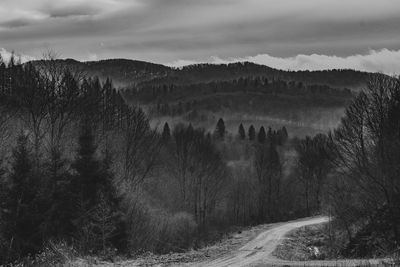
(82, 168)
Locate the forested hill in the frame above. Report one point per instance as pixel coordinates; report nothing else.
(203, 73)
(123, 72)
(132, 73)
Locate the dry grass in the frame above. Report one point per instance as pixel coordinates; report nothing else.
(303, 244)
(298, 247)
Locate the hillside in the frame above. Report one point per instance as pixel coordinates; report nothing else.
(304, 109)
(132, 73)
(307, 102)
(123, 72)
(201, 73)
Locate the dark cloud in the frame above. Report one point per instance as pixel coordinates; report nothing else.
(15, 23)
(72, 12)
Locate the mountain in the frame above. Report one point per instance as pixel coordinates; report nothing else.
(201, 73)
(133, 73)
(306, 102)
(304, 109)
(122, 72)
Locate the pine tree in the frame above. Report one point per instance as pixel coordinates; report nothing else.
(252, 133)
(166, 134)
(98, 220)
(220, 129)
(59, 209)
(88, 176)
(242, 133)
(285, 134)
(270, 135)
(20, 215)
(262, 135)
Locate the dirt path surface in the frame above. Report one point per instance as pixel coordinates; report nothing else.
(258, 252)
(252, 247)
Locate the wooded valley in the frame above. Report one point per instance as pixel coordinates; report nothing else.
(83, 167)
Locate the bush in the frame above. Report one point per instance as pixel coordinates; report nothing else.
(53, 254)
(176, 233)
(139, 222)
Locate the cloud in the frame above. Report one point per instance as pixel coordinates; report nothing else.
(15, 23)
(18, 13)
(166, 31)
(72, 12)
(92, 57)
(6, 55)
(385, 61)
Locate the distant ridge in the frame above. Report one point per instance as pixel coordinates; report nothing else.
(127, 73)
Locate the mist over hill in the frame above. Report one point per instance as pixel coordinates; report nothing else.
(307, 102)
(127, 73)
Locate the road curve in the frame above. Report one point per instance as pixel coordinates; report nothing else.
(258, 252)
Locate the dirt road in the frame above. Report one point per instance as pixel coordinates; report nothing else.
(258, 252)
(252, 247)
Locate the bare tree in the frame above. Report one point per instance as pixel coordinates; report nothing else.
(140, 147)
(199, 170)
(181, 156)
(31, 102)
(368, 149)
(208, 175)
(268, 172)
(64, 96)
(313, 164)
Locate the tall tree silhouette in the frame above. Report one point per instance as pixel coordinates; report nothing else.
(97, 220)
(285, 134)
(252, 133)
(220, 129)
(22, 219)
(166, 134)
(262, 135)
(242, 133)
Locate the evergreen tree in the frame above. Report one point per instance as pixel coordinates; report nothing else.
(98, 220)
(262, 135)
(60, 209)
(242, 133)
(88, 178)
(270, 134)
(285, 134)
(20, 212)
(271, 137)
(252, 133)
(220, 129)
(166, 134)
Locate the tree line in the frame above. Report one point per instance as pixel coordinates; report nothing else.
(352, 172)
(166, 97)
(57, 181)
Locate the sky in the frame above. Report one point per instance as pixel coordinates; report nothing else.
(285, 34)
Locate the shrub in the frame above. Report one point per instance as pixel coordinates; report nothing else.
(139, 223)
(176, 232)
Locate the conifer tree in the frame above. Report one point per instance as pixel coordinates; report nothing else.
(220, 129)
(88, 176)
(21, 219)
(98, 220)
(60, 209)
(166, 134)
(262, 135)
(252, 133)
(270, 134)
(285, 134)
(242, 133)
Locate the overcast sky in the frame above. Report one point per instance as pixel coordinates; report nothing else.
(287, 34)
